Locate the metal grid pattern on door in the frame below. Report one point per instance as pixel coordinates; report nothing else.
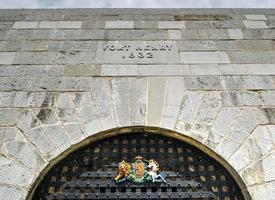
(89, 172)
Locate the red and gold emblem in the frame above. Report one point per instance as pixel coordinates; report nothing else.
(140, 171)
(139, 166)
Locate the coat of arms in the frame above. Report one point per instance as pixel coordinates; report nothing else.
(140, 171)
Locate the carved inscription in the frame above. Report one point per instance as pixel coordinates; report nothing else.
(133, 52)
(138, 52)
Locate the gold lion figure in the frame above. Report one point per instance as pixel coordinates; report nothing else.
(123, 170)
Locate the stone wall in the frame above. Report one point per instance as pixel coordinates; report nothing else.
(204, 73)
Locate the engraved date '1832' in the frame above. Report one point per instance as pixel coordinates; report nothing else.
(146, 51)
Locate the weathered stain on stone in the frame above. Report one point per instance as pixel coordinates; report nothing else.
(194, 17)
(270, 114)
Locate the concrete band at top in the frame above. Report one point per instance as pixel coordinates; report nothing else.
(204, 73)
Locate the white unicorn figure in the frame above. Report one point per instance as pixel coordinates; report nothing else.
(154, 171)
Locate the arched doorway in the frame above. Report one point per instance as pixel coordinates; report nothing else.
(89, 172)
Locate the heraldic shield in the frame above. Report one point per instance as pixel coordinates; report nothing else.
(140, 171)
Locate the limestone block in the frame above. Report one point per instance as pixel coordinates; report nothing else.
(119, 24)
(71, 84)
(244, 45)
(82, 70)
(12, 193)
(258, 192)
(25, 25)
(72, 57)
(133, 34)
(263, 139)
(101, 95)
(269, 167)
(261, 116)
(138, 100)
(197, 45)
(16, 35)
(6, 99)
(257, 145)
(235, 34)
(92, 126)
(204, 57)
(30, 45)
(270, 187)
(68, 24)
(190, 103)
(14, 83)
(214, 23)
(206, 113)
(269, 114)
(87, 113)
(247, 121)
(32, 58)
(119, 70)
(255, 24)
(240, 158)
(27, 99)
(253, 175)
(255, 17)
(155, 100)
(47, 24)
(45, 116)
(205, 34)
(271, 129)
(237, 134)
(27, 120)
(65, 108)
(8, 117)
(204, 69)
(249, 82)
(37, 70)
(222, 123)
(6, 58)
(237, 98)
(203, 82)
(59, 136)
(16, 146)
(2, 133)
(247, 69)
(163, 70)
(173, 98)
(146, 25)
(120, 97)
(14, 174)
(259, 82)
(88, 34)
(68, 45)
(174, 34)
(171, 24)
(75, 132)
(4, 34)
(43, 142)
(2, 45)
(93, 24)
(233, 82)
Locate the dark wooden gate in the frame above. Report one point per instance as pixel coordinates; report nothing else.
(89, 172)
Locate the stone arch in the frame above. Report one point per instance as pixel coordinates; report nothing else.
(33, 136)
(149, 130)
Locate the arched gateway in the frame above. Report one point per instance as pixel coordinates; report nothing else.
(99, 170)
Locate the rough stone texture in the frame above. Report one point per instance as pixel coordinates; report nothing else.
(255, 24)
(68, 74)
(12, 192)
(204, 57)
(119, 24)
